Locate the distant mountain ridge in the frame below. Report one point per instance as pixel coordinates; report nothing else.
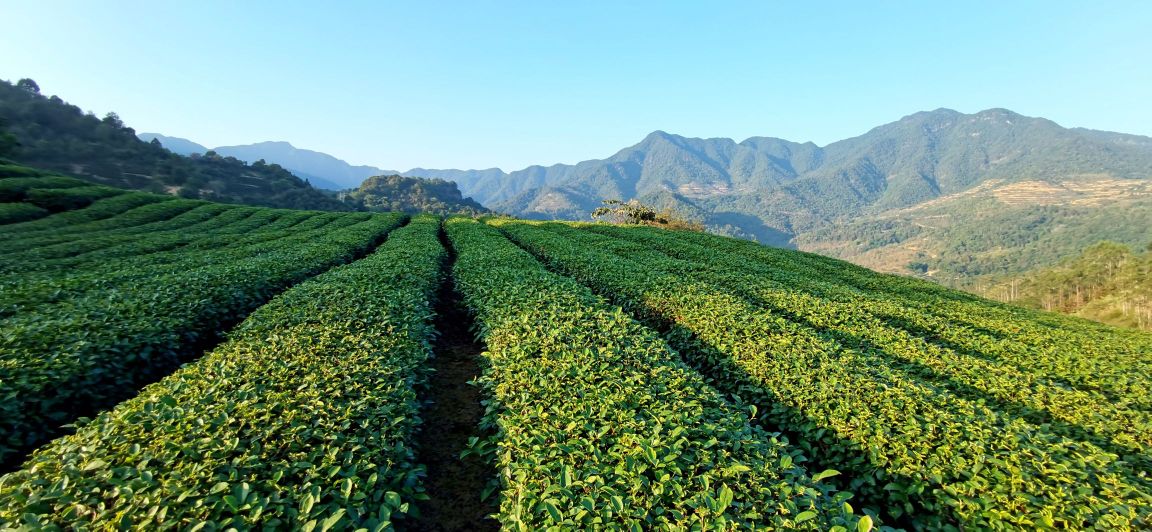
(922, 156)
(322, 170)
(308, 164)
(951, 196)
(368, 187)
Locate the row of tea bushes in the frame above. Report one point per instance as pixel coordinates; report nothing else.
(304, 419)
(597, 423)
(917, 450)
(91, 350)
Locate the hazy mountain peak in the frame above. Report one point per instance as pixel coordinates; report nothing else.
(998, 113)
(175, 145)
(936, 114)
(484, 170)
(320, 169)
(277, 144)
(659, 134)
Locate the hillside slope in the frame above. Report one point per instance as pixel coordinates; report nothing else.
(995, 229)
(57, 136)
(1107, 282)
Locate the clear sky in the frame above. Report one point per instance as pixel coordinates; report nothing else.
(477, 84)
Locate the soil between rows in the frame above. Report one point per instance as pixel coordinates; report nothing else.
(451, 417)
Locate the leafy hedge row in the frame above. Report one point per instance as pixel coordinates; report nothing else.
(191, 225)
(599, 424)
(1077, 414)
(204, 226)
(67, 199)
(933, 458)
(303, 420)
(16, 188)
(140, 216)
(44, 281)
(1068, 351)
(35, 283)
(8, 169)
(196, 226)
(20, 212)
(98, 210)
(31, 249)
(95, 348)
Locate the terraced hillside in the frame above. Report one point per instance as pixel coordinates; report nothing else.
(171, 364)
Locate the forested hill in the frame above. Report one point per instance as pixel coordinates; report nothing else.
(394, 193)
(55, 135)
(1108, 282)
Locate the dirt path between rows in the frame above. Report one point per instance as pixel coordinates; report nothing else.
(450, 418)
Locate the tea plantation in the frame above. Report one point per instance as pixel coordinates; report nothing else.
(178, 364)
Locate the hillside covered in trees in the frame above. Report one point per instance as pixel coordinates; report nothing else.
(1108, 282)
(46, 132)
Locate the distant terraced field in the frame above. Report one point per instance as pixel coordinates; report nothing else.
(1088, 193)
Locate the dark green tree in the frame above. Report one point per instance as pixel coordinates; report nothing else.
(113, 120)
(28, 85)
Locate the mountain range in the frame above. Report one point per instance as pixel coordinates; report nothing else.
(940, 193)
(795, 187)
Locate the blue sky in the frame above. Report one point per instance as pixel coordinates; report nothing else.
(479, 84)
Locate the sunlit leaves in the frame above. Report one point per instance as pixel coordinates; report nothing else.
(599, 424)
(303, 420)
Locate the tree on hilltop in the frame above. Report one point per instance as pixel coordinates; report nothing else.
(28, 85)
